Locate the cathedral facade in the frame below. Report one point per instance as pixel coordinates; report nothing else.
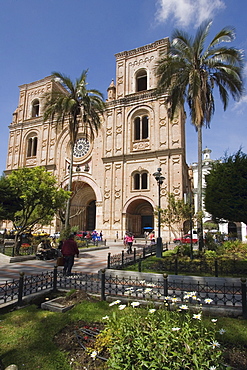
(114, 189)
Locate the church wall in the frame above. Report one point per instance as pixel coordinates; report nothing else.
(115, 156)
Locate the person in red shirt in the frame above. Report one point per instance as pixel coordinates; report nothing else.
(69, 250)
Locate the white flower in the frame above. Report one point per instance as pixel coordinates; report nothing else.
(94, 355)
(208, 300)
(147, 290)
(197, 316)
(122, 306)
(142, 281)
(222, 331)
(175, 329)
(214, 320)
(105, 318)
(174, 299)
(215, 344)
(135, 304)
(115, 302)
(212, 368)
(152, 310)
(183, 307)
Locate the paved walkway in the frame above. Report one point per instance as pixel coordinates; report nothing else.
(89, 261)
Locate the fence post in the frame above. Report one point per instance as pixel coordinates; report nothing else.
(55, 279)
(216, 267)
(21, 286)
(165, 284)
(134, 255)
(140, 265)
(143, 253)
(122, 258)
(13, 251)
(109, 261)
(176, 265)
(244, 302)
(103, 285)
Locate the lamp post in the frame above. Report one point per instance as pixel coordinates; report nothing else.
(159, 178)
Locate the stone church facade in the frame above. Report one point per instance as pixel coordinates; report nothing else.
(114, 189)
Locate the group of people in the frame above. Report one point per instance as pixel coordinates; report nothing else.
(94, 235)
(47, 250)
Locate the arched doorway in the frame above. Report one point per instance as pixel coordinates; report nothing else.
(139, 217)
(83, 207)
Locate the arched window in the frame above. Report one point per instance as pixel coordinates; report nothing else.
(140, 181)
(141, 80)
(32, 144)
(35, 108)
(141, 128)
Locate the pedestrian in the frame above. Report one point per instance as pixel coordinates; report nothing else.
(129, 238)
(69, 250)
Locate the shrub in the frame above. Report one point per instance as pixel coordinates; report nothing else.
(148, 338)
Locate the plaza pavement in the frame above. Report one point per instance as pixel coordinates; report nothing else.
(88, 262)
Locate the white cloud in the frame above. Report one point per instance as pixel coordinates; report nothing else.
(185, 12)
(240, 106)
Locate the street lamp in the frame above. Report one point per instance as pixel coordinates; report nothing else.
(159, 178)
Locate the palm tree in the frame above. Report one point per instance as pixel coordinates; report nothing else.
(75, 105)
(190, 71)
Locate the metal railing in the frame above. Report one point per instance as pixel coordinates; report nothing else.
(156, 287)
(119, 261)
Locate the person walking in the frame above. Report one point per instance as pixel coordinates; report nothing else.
(69, 250)
(129, 240)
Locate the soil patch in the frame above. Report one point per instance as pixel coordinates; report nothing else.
(78, 340)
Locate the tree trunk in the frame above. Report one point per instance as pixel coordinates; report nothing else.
(68, 205)
(199, 194)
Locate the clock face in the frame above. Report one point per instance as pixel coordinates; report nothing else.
(81, 147)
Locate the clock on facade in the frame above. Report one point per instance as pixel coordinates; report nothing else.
(81, 147)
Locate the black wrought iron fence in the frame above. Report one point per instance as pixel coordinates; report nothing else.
(119, 261)
(155, 287)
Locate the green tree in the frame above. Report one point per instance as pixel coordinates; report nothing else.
(176, 212)
(190, 71)
(74, 106)
(40, 199)
(10, 203)
(226, 188)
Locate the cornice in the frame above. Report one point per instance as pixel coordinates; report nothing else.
(132, 98)
(143, 49)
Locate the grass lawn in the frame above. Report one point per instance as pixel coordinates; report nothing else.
(27, 334)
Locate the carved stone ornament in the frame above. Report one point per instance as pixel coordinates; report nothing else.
(119, 129)
(141, 145)
(175, 121)
(176, 190)
(107, 194)
(109, 131)
(175, 160)
(162, 122)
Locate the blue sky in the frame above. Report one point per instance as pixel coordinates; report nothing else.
(68, 36)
